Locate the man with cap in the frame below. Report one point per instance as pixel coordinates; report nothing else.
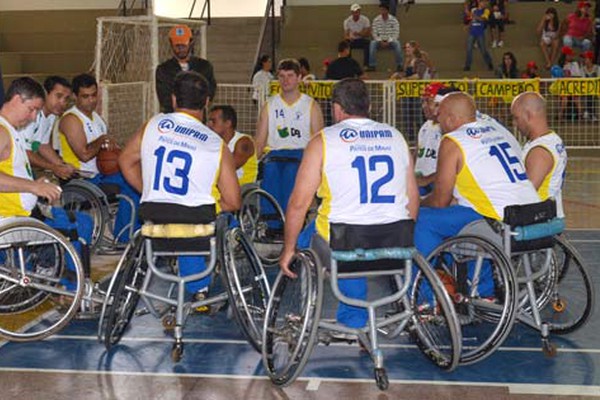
(180, 37)
(357, 31)
(578, 27)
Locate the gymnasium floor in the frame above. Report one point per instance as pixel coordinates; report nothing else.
(219, 364)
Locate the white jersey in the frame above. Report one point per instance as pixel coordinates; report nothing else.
(492, 176)
(429, 138)
(289, 124)
(17, 164)
(552, 184)
(93, 129)
(365, 164)
(39, 131)
(181, 160)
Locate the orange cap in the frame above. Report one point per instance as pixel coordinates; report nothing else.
(180, 34)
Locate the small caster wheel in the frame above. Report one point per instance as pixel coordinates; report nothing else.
(548, 348)
(169, 321)
(381, 379)
(559, 305)
(177, 352)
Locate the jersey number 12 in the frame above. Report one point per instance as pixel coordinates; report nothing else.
(385, 161)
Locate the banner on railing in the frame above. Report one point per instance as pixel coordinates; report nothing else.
(506, 89)
(575, 87)
(411, 88)
(318, 90)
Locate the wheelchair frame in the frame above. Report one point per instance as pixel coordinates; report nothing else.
(303, 329)
(133, 277)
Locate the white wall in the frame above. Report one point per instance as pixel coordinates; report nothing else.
(349, 2)
(36, 5)
(218, 8)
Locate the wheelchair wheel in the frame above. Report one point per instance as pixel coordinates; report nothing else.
(262, 220)
(483, 288)
(41, 280)
(572, 298)
(434, 324)
(125, 293)
(246, 284)
(292, 319)
(80, 199)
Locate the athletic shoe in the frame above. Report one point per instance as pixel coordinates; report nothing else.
(494, 44)
(500, 43)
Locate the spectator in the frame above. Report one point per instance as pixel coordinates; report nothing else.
(571, 69)
(479, 17)
(357, 31)
(508, 69)
(590, 70)
(262, 75)
(577, 28)
(305, 74)
(498, 18)
(386, 31)
(531, 72)
(344, 66)
(416, 64)
(180, 37)
(597, 30)
(548, 28)
(469, 5)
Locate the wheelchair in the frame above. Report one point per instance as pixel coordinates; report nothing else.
(101, 203)
(537, 278)
(39, 293)
(262, 220)
(147, 271)
(420, 306)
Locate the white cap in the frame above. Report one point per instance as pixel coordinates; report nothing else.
(355, 7)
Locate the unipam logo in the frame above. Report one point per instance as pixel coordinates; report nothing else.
(348, 135)
(165, 125)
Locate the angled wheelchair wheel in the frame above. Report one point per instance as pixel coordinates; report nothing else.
(434, 324)
(262, 220)
(480, 281)
(572, 299)
(124, 294)
(292, 319)
(41, 280)
(79, 198)
(246, 284)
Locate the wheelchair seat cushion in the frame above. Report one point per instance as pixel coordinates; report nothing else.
(530, 214)
(345, 237)
(167, 213)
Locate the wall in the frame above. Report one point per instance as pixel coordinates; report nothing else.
(218, 8)
(348, 2)
(38, 5)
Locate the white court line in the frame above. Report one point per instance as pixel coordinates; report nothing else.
(313, 384)
(339, 344)
(513, 388)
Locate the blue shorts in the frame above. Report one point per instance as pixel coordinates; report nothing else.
(279, 176)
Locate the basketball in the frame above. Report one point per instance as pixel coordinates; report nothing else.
(108, 161)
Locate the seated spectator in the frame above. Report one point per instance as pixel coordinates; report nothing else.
(531, 71)
(262, 75)
(597, 30)
(305, 74)
(416, 63)
(344, 66)
(548, 28)
(386, 31)
(577, 28)
(590, 70)
(357, 31)
(508, 69)
(498, 18)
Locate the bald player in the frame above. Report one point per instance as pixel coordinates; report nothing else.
(544, 154)
(479, 172)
